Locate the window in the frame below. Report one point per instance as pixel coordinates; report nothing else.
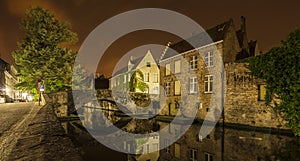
(147, 150)
(177, 87)
(193, 62)
(155, 90)
(146, 78)
(193, 85)
(168, 67)
(155, 78)
(129, 77)
(208, 83)
(177, 66)
(148, 64)
(208, 157)
(177, 150)
(193, 155)
(167, 89)
(125, 79)
(155, 147)
(261, 92)
(209, 59)
(166, 145)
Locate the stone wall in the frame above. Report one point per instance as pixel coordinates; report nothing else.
(62, 103)
(242, 105)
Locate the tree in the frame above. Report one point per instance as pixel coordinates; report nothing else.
(280, 68)
(42, 53)
(137, 82)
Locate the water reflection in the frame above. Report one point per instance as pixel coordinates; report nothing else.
(221, 145)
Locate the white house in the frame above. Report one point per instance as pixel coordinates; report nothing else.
(149, 68)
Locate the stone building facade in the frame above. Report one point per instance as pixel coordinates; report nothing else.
(193, 80)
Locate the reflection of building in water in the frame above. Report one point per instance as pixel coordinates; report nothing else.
(230, 145)
(146, 149)
(190, 147)
(103, 115)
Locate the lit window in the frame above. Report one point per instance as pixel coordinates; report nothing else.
(261, 92)
(208, 83)
(177, 66)
(193, 155)
(146, 79)
(168, 69)
(167, 89)
(177, 150)
(177, 87)
(193, 85)
(193, 62)
(209, 59)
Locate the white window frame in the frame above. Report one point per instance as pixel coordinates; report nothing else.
(193, 85)
(209, 59)
(208, 156)
(208, 82)
(194, 62)
(129, 77)
(193, 154)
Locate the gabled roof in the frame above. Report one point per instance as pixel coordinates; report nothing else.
(136, 62)
(216, 33)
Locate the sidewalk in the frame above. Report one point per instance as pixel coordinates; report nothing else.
(44, 139)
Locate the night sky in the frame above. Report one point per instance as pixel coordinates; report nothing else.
(268, 21)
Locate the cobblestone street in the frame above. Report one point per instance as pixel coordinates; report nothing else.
(31, 132)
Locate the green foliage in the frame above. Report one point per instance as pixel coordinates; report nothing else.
(280, 68)
(41, 54)
(137, 82)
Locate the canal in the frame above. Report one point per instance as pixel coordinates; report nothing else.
(222, 144)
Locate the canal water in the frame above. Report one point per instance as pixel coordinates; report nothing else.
(222, 144)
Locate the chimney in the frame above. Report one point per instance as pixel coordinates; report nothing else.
(243, 24)
(132, 58)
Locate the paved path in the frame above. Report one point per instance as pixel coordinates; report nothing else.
(32, 132)
(14, 119)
